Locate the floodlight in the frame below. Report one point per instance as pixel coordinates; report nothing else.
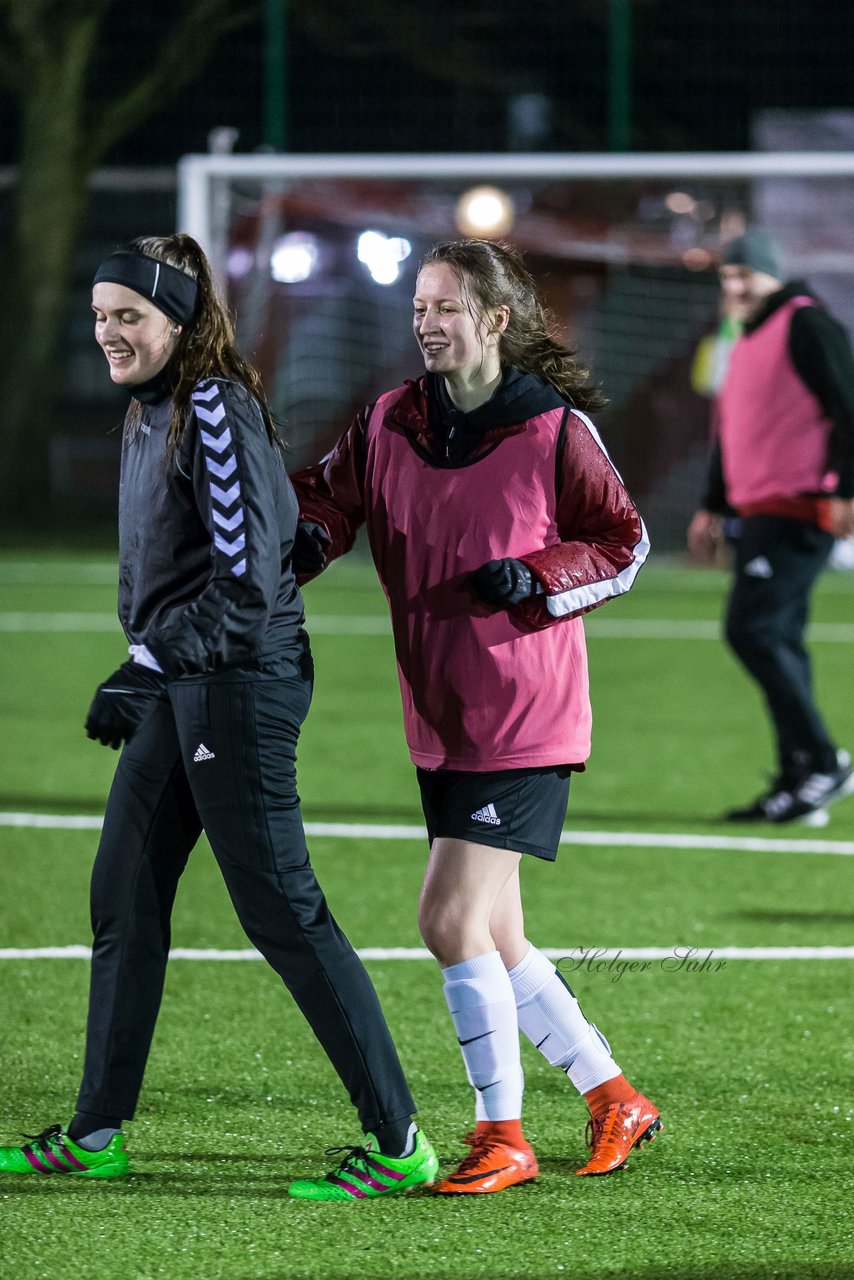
(382, 255)
(680, 202)
(240, 261)
(485, 212)
(294, 257)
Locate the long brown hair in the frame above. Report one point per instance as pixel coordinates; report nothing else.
(493, 275)
(206, 346)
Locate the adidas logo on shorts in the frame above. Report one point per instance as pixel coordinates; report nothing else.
(487, 814)
(202, 753)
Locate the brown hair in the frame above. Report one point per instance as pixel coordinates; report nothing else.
(494, 275)
(206, 346)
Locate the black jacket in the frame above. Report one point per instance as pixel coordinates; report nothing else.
(205, 539)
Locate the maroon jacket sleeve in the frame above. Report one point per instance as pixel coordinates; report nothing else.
(603, 541)
(332, 492)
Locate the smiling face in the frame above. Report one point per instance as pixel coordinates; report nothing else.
(136, 337)
(456, 339)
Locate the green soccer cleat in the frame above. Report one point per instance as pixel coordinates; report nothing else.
(54, 1152)
(365, 1173)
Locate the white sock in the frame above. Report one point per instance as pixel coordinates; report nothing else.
(551, 1018)
(480, 999)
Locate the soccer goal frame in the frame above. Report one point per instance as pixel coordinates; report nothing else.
(627, 272)
(203, 179)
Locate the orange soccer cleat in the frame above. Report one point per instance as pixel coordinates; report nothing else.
(491, 1165)
(612, 1136)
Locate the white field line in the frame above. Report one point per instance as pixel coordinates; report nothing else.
(331, 624)
(608, 839)
(59, 622)
(58, 573)
(663, 570)
(679, 958)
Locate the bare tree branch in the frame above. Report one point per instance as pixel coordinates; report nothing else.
(34, 32)
(183, 51)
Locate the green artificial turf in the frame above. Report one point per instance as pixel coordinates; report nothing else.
(751, 1061)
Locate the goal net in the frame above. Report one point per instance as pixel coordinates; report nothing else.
(317, 258)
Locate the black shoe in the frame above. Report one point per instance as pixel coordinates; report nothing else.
(777, 799)
(805, 799)
(818, 790)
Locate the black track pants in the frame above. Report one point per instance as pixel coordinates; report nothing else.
(777, 562)
(219, 755)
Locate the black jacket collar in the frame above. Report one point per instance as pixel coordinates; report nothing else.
(156, 389)
(454, 438)
(794, 289)
(518, 397)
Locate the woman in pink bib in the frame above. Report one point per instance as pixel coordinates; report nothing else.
(495, 519)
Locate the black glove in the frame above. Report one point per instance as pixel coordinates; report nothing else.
(121, 702)
(503, 582)
(311, 547)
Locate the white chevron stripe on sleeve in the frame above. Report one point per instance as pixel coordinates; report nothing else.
(210, 410)
(228, 523)
(225, 497)
(230, 548)
(222, 470)
(216, 443)
(205, 393)
(214, 416)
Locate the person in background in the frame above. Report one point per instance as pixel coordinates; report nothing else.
(209, 709)
(495, 519)
(783, 464)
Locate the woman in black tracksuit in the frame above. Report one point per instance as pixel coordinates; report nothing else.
(209, 708)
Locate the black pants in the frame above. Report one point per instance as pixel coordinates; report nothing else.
(219, 755)
(777, 562)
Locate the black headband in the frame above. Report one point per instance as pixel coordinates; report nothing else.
(172, 291)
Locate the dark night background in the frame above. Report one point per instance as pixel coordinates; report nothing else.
(392, 76)
(403, 76)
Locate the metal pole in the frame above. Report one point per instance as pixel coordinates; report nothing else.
(275, 74)
(619, 74)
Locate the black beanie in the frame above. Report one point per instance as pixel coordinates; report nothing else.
(756, 250)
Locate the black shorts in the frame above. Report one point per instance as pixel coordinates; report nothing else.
(518, 809)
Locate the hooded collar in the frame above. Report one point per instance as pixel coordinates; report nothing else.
(449, 434)
(518, 396)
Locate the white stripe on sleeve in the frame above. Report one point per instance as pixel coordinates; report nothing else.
(595, 592)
